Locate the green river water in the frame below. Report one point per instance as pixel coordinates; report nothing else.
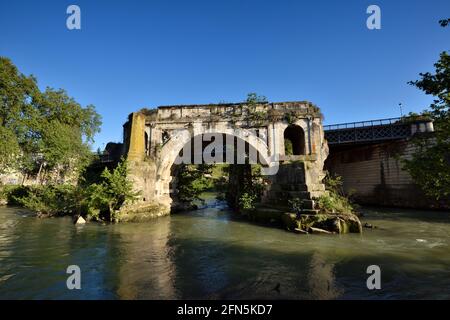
(211, 254)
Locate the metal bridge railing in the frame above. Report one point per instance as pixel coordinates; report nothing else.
(364, 131)
(362, 124)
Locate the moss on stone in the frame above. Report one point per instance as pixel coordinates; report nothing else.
(337, 223)
(143, 213)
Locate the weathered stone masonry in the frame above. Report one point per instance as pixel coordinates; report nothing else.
(154, 138)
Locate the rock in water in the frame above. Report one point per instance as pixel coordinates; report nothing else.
(80, 220)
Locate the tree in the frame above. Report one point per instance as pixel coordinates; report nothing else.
(16, 94)
(41, 130)
(112, 192)
(192, 181)
(430, 164)
(444, 22)
(9, 149)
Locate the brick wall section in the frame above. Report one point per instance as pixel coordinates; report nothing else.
(374, 173)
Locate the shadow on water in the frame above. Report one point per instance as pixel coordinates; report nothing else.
(399, 214)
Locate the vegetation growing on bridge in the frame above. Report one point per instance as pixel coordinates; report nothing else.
(335, 200)
(245, 186)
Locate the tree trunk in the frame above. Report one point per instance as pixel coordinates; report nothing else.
(39, 173)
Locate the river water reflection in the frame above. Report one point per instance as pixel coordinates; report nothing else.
(209, 254)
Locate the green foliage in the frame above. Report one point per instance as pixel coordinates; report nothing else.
(98, 201)
(334, 200)
(41, 131)
(430, 164)
(257, 181)
(257, 117)
(288, 148)
(192, 181)
(9, 193)
(333, 203)
(220, 180)
(48, 200)
(245, 186)
(334, 184)
(108, 196)
(253, 98)
(444, 22)
(9, 150)
(247, 201)
(291, 117)
(297, 205)
(430, 168)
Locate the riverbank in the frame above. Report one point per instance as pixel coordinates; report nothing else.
(309, 221)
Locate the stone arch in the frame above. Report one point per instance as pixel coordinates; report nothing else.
(294, 136)
(173, 147)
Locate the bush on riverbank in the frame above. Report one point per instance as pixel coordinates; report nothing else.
(45, 200)
(9, 193)
(96, 201)
(51, 200)
(104, 200)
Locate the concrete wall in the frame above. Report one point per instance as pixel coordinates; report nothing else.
(374, 174)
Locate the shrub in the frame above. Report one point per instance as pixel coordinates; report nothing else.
(297, 205)
(49, 199)
(10, 193)
(104, 199)
(247, 201)
(333, 203)
(334, 200)
(288, 149)
(191, 181)
(97, 201)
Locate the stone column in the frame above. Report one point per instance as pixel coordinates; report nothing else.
(136, 151)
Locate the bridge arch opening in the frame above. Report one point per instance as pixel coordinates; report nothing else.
(236, 160)
(294, 141)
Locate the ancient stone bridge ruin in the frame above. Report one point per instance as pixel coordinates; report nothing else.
(154, 140)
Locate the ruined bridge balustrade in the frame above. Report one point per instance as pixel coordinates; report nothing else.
(154, 140)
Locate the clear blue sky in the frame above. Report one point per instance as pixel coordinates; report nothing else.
(133, 54)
